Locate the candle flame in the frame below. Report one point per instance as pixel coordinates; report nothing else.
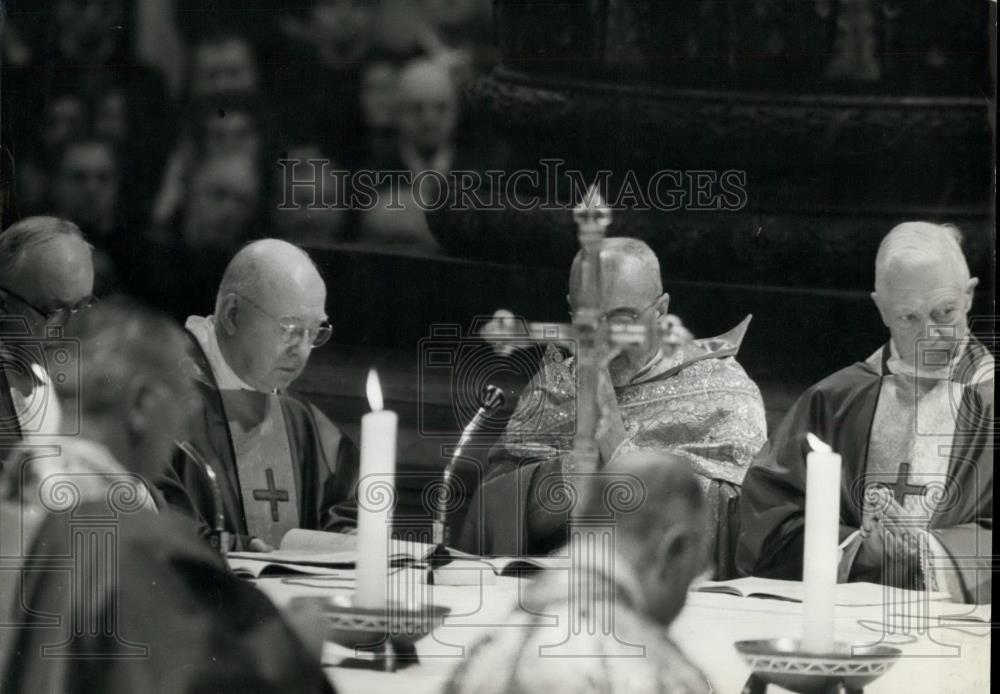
(817, 444)
(374, 390)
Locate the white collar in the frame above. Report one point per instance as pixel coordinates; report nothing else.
(896, 365)
(203, 328)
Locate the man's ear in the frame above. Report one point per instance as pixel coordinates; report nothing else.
(225, 317)
(663, 304)
(970, 289)
(140, 404)
(874, 296)
(671, 545)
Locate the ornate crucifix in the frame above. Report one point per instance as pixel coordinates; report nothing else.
(597, 341)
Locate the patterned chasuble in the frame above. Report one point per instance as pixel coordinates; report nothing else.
(697, 402)
(264, 463)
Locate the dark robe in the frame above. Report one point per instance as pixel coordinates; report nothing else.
(167, 618)
(325, 463)
(10, 426)
(840, 410)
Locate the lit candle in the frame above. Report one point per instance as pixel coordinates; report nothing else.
(819, 558)
(376, 492)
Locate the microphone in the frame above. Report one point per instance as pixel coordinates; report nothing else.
(218, 538)
(493, 399)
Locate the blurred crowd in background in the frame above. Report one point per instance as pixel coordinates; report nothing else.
(158, 126)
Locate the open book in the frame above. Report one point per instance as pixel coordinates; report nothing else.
(847, 594)
(300, 552)
(316, 552)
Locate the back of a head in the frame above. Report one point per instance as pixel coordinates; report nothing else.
(658, 511)
(107, 347)
(913, 246)
(20, 239)
(645, 492)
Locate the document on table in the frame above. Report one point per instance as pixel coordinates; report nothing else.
(847, 594)
(317, 552)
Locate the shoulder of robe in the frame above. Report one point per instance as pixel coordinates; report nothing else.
(304, 412)
(841, 383)
(314, 427)
(728, 366)
(167, 537)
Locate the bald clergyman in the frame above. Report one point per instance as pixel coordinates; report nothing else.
(696, 401)
(914, 425)
(280, 462)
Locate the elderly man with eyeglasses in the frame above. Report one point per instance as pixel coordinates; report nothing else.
(46, 275)
(694, 401)
(280, 463)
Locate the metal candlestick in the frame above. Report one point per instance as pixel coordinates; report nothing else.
(783, 663)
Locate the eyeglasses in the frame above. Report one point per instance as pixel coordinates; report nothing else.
(624, 316)
(294, 333)
(56, 316)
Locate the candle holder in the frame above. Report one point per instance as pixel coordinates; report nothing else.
(389, 632)
(846, 669)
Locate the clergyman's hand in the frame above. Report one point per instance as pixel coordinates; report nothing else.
(504, 331)
(258, 545)
(871, 553)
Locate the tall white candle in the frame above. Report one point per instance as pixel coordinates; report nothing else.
(376, 493)
(819, 558)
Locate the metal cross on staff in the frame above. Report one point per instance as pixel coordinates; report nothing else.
(598, 341)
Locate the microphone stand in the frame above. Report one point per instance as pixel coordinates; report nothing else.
(493, 399)
(218, 537)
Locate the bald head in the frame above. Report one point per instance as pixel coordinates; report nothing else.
(658, 512)
(269, 290)
(668, 489)
(630, 275)
(269, 267)
(630, 286)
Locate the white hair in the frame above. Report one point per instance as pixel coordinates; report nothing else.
(20, 238)
(915, 245)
